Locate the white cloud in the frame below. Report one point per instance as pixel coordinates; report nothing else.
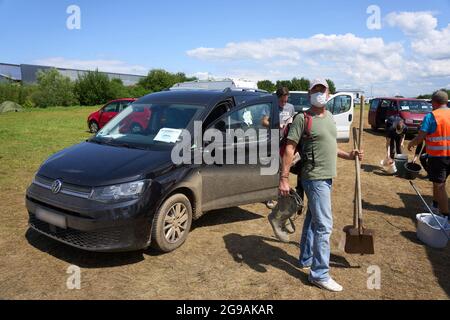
(417, 65)
(421, 28)
(115, 66)
(435, 46)
(412, 23)
(362, 59)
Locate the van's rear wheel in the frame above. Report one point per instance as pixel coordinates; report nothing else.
(172, 223)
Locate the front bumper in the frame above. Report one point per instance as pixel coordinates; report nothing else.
(108, 228)
(413, 128)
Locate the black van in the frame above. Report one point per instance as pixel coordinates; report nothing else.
(121, 191)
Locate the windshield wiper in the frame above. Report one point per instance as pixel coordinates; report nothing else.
(127, 145)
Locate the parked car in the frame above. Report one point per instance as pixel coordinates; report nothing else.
(121, 190)
(412, 111)
(100, 118)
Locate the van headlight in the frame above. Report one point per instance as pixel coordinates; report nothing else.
(120, 192)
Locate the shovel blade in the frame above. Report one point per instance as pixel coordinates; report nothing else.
(356, 243)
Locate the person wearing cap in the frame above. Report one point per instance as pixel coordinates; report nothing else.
(435, 131)
(395, 136)
(317, 176)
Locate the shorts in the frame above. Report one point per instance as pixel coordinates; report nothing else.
(438, 169)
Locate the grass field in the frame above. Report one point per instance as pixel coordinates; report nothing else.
(27, 138)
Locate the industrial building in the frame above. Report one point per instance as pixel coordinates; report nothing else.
(27, 74)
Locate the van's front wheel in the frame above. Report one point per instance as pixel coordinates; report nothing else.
(172, 223)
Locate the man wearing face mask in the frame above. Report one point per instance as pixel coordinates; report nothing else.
(317, 175)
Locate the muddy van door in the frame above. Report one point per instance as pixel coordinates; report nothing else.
(234, 183)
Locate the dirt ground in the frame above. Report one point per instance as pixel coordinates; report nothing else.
(232, 254)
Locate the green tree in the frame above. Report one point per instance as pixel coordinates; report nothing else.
(118, 90)
(266, 85)
(284, 83)
(331, 86)
(53, 89)
(299, 84)
(159, 79)
(94, 88)
(136, 91)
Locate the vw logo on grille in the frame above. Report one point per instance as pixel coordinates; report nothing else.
(56, 186)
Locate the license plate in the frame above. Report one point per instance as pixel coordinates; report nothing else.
(51, 218)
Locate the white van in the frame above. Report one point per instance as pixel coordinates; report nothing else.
(216, 85)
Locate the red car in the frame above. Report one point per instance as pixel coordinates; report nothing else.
(411, 110)
(98, 119)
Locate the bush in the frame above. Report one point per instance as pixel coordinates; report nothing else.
(94, 88)
(267, 85)
(16, 92)
(136, 91)
(53, 89)
(158, 80)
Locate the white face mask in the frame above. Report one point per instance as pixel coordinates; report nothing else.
(319, 99)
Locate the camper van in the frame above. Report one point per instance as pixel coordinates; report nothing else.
(216, 85)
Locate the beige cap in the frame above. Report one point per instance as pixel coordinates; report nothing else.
(317, 82)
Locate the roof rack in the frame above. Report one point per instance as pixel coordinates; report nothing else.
(244, 90)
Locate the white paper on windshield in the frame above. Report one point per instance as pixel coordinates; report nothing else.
(248, 119)
(168, 135)
(405, 108)
(113, 136)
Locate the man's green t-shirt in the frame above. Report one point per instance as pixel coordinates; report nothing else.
(322, 148)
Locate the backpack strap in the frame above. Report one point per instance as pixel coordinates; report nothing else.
(307, 135)
(308, 125)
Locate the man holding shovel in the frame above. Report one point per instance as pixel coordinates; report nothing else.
(317, 175)
(435, 131)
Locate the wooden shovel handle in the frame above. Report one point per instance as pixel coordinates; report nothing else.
(358, 204)
(361, 123)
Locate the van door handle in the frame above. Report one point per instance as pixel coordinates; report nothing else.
(350, 118)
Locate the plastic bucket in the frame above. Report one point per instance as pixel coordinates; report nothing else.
(400, 161)
(388, 168)
(429, 232)
(412, 170)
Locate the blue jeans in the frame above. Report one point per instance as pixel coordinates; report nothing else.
(315, 242)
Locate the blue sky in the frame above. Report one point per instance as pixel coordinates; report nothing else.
(251, 39)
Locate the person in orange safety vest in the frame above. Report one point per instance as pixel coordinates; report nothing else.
(435, 131)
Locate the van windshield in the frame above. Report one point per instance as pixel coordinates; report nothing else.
(415, 106)
(300, 101)
(144, 125)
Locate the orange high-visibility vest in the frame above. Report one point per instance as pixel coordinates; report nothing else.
(438, 143)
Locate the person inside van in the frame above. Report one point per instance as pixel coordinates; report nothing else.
(395, 136)
(287, 113)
